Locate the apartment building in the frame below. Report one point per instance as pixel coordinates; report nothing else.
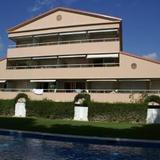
(65, 51)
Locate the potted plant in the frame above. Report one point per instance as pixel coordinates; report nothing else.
(153, 111)
(81, 104)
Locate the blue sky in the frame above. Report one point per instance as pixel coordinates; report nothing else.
(141, 22)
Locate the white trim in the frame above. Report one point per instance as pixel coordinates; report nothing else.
(19, 59)
(21, 37)
(33, 81)
(45, 57)
(134, 80)
(2, 81)
(102, 56)
(74, 56)
(102, 80)
(46, 35)
(106, 30)
(71, 33)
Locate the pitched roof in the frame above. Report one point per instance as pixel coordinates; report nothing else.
(139, 57)
(63, 9)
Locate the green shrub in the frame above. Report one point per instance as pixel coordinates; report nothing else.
(6, 107)
(152, 98)
(117, 112)
(50, 109)
(86, 99)
(129, 113)
(21, 95)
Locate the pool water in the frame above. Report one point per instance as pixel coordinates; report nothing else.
(20, 148)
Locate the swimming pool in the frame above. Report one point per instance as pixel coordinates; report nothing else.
(29, 146)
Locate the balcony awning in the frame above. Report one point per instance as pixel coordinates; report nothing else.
(55, 57)
(134, 80)
(34, 81)
(102, 80)
(71, 33)
(72, 56)
(2, 81)
(102, 56)
(46, 35)
(19, 59)
(102, 31)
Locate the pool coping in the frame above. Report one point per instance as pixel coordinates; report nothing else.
(82, 139)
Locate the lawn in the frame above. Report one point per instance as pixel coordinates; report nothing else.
(101, 129)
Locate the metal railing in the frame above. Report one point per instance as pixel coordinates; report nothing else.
(115, 91)
(65, 66)
(64, 42)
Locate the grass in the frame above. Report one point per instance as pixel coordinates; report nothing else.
(101, 129)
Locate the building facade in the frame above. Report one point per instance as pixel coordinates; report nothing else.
(65, 51)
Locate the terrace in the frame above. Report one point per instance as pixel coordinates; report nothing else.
(66, 38)
(112, 91)
(68, 61)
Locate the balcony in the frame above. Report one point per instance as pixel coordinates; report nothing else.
(65, 66)
(63, 42)
(106, 91)
(83, 42)
(66, 38)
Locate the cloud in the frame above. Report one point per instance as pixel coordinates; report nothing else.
(153, 55)
(40, 5)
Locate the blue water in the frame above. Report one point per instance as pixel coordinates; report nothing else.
(19, 148)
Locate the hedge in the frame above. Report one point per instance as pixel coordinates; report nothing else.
(6, 107)
(152, 98)
(50, 109)
(65, 110)
(118, 112)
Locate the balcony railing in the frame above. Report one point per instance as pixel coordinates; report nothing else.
(64, 42)
(65, 66)
(129, 91)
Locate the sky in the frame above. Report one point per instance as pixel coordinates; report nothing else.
(141, 20)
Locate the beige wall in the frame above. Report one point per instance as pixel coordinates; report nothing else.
(68, 19)
(144, 69)
(68, 97)
(66, 29)
(63, 49)
(2, 67)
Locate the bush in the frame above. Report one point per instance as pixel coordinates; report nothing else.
(152, 98)
(21, 95)
(6, 107)
(129, 113)
(86, 99)
(117, 112)
(50, 109)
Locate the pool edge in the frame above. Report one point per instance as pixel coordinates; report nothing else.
(82, 139)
